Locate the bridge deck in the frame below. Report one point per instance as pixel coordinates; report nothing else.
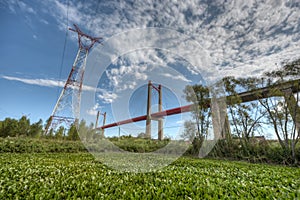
(245, 97)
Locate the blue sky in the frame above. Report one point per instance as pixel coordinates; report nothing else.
(240, 38)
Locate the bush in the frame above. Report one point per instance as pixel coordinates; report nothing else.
(138, 145)
(257, 152)
(30, 145)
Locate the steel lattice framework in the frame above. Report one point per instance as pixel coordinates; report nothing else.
(67, 108)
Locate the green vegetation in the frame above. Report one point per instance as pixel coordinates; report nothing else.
(265, 151)
(57, 165)
(140, 145)
(22, 127)
(34, 145)
(79, 176)
(257, 151)
(275, 108)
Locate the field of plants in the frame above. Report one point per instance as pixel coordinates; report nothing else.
(80, 176)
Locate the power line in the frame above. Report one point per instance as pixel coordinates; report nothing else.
(64, 47)
(96, 11)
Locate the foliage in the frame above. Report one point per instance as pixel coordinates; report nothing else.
(60, 133)
(194, 149)
(22, 127)
(73, 133)
(36, 129)
(138, 145)
(283, 110)
(245, 118)
(87, 133)
(79, 176)
(284, 115)
(142, 135)
(269, 106)
(258, 151)
(199, 96)
(33, 145)
(289, 69)
(190, 130)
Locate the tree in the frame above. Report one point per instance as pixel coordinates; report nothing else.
(73, 133)
(281, 120)
(23, 126)
(283, 109)
(83, 131)
(60, 133)
(289, 69)
(246, 118)
(190, 130)
(91, 133)
(142, 135)
(50, 134)
(9, 127)
(199, 96)
(36, 129)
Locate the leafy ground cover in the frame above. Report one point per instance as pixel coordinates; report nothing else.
(38, 145)
(80, 176)
(260, 152)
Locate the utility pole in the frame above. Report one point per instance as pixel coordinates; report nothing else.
(67, 108)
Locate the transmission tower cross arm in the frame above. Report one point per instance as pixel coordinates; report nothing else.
(92, 39)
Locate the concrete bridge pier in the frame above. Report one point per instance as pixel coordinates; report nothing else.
(293, 106)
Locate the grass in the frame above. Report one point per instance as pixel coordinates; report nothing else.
(80, 176)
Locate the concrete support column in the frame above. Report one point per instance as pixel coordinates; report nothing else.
(293, 107)
(160, 121)
(226, 132)
(148, 120)
(104, 120)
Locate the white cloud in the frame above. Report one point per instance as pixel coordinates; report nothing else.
(238, 35)
(94, 110)
(74, 15)
(240, 38)
(26, 8)
(180, 122)
(16, 6)
(44, 21)
(39, 82)
(44, 82)
(107, 97)
(177, 77)
(125, 77)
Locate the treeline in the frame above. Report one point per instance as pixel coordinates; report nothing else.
(276, 109)
(24, 128)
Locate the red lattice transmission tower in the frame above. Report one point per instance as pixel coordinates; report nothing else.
(67, 108)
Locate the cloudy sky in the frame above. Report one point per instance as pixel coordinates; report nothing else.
(180, 42)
